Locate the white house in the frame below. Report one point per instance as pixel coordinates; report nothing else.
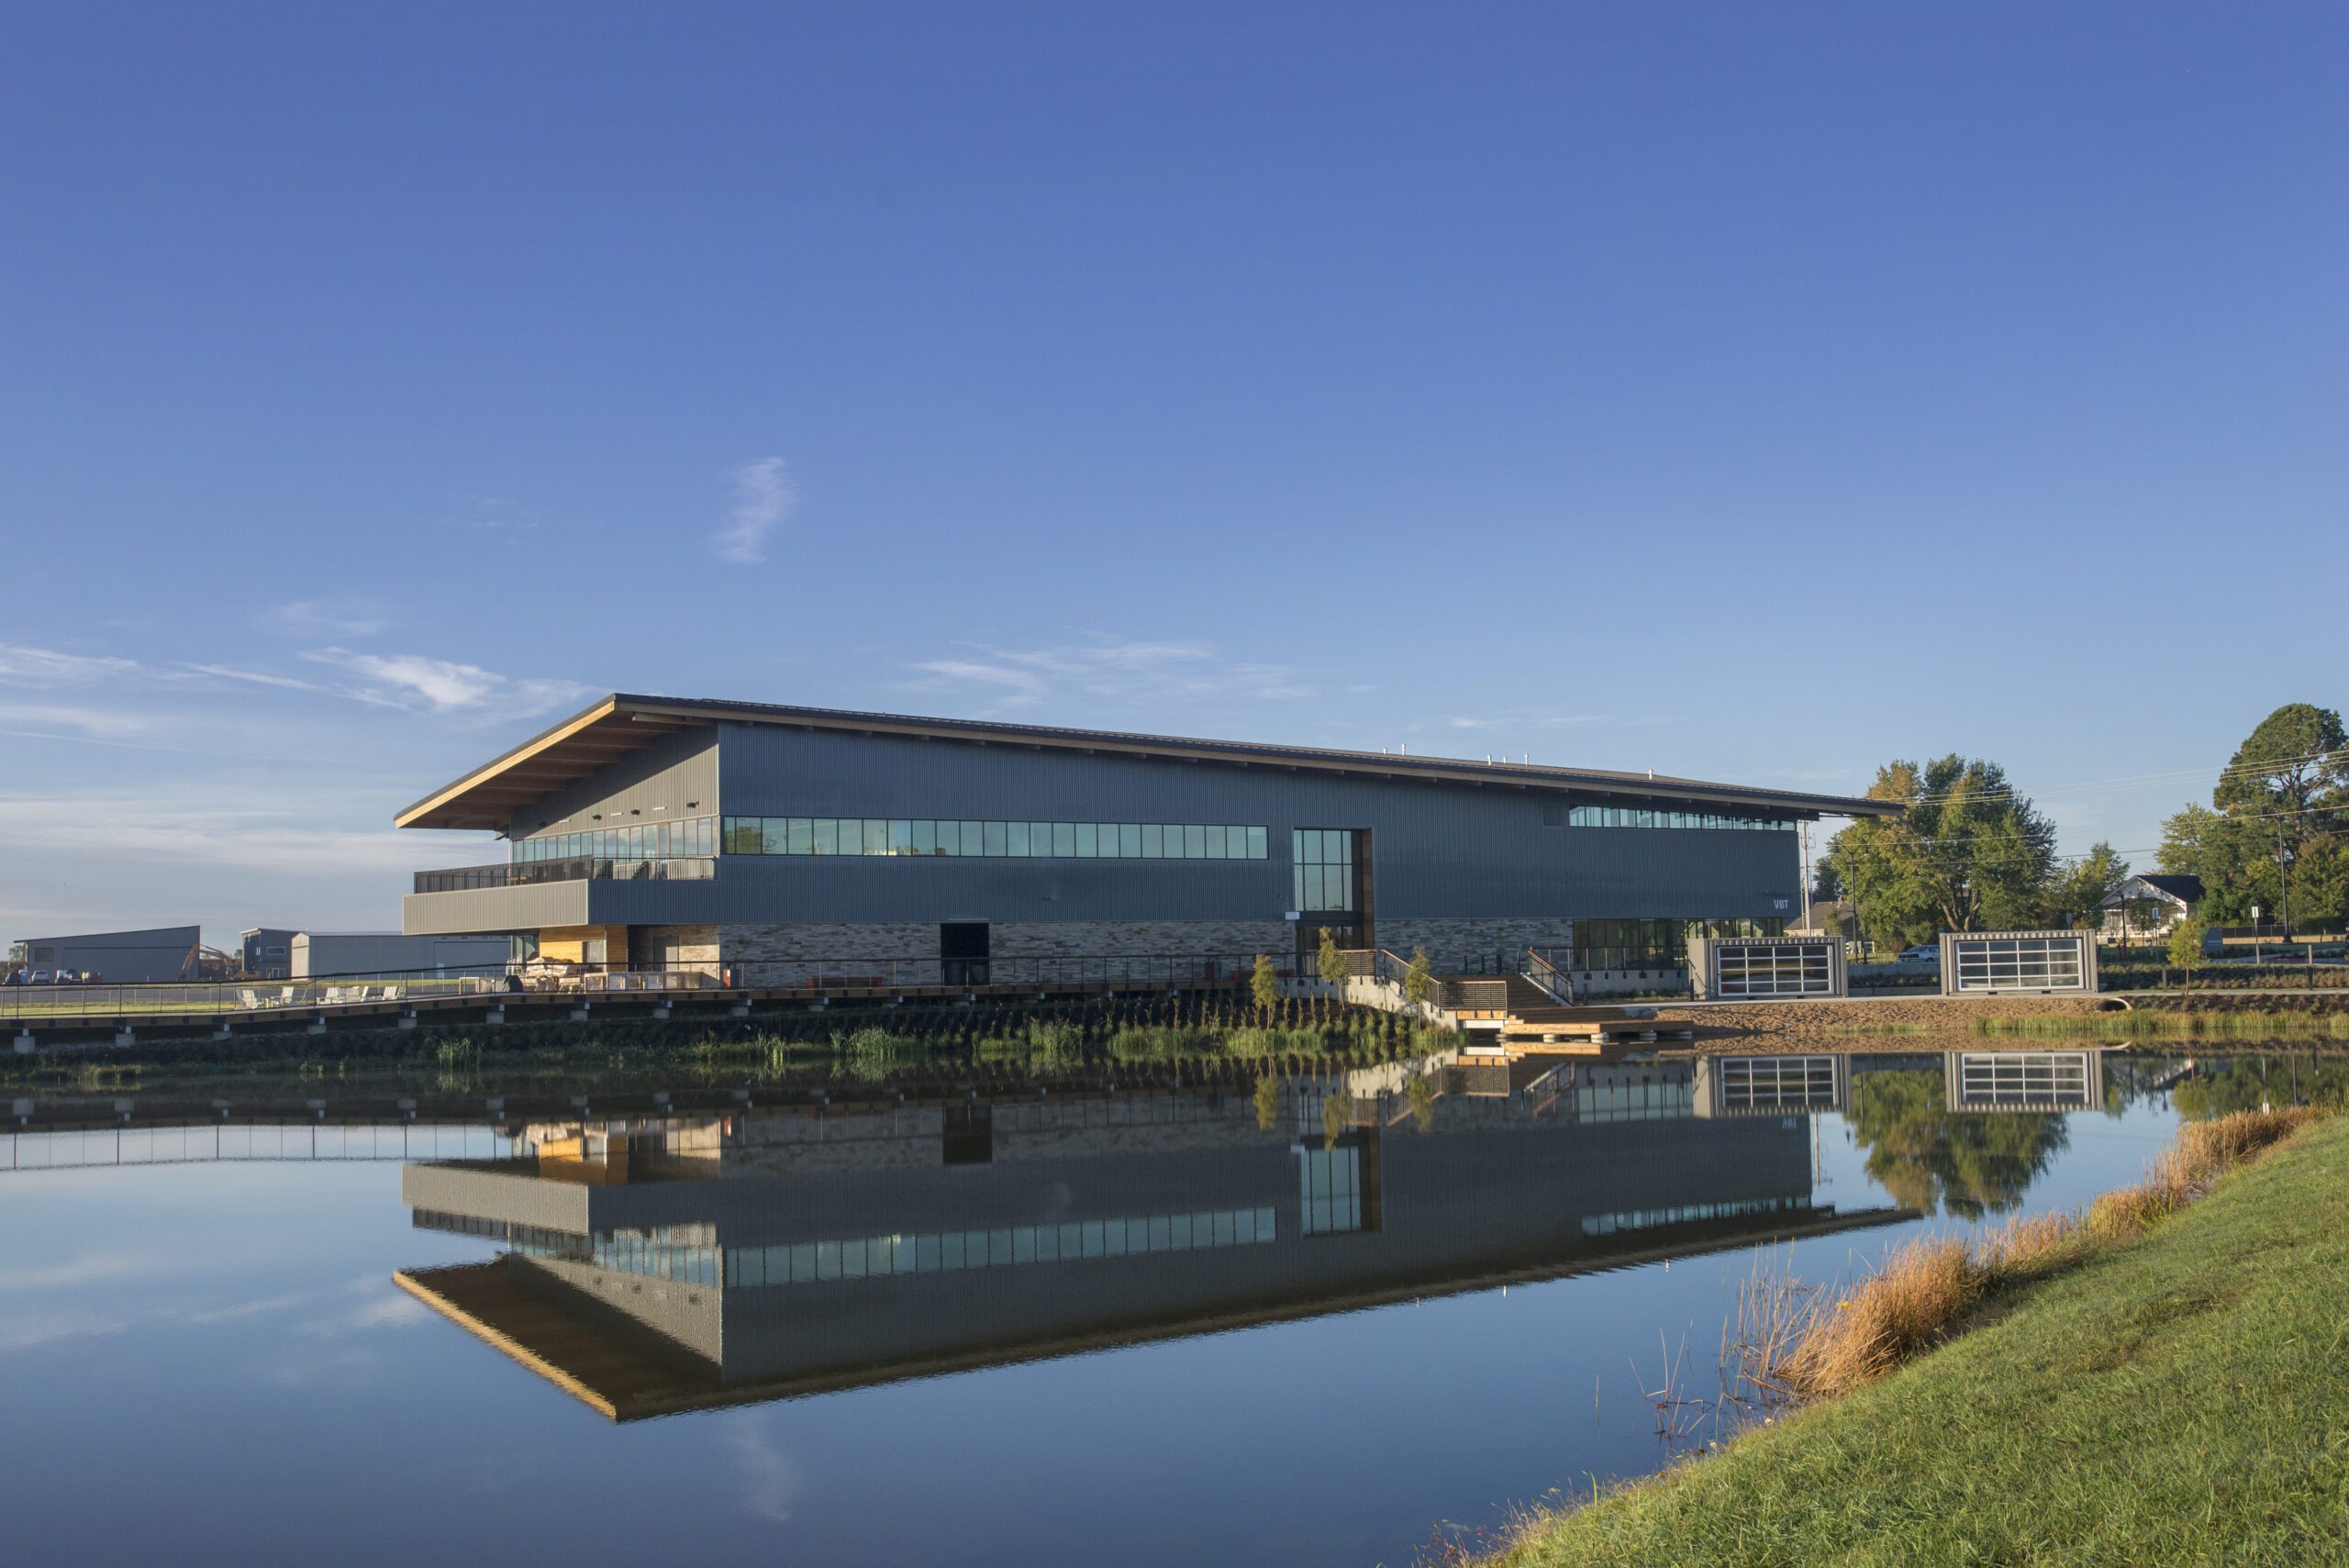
(2167, 899)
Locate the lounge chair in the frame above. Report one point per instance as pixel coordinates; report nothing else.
(248, 998)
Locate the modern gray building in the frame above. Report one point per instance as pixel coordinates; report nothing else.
(268, 952)
(322, 955)
(122, 957)
(782, 843)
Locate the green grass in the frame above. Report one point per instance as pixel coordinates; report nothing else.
(2147, 1024)
(2178, 1399)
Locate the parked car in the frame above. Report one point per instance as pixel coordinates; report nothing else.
(40, 977)
(1923, 952)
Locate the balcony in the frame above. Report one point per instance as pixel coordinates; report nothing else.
(524, 873)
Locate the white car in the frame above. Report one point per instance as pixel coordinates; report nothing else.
(1921, 953)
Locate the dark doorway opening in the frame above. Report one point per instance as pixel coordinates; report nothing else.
(968, 1136)
(963, 953)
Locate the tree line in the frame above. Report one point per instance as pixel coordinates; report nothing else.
(1968, 851)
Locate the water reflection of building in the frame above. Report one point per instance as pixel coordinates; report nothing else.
(832, 1250)
(2024, 1080)
(1771, 1086)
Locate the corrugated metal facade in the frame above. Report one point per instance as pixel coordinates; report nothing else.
(1438, 851)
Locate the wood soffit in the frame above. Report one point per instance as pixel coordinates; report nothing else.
(622, 723)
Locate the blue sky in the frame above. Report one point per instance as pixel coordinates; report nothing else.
(1754, 392)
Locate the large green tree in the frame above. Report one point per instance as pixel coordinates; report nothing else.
(2278, 822)
(1964, 1163)
(1969, 852)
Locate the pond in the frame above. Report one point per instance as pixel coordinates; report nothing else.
(1170, 1325)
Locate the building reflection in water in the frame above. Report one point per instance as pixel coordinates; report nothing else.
(656, 1266)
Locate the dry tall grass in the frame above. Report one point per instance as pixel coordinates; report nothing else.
(1906, 1305)
(2214, 1145)
(1811, 1347)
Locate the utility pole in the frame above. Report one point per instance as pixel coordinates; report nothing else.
(2283, 887)
(1804, 829)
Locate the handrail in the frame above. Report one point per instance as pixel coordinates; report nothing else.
(81, 1005)
(1558, 983)
(524, 873)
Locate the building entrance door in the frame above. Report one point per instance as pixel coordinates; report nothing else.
(963, 953)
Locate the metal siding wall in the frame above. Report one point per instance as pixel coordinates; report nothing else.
(1438, 850)
(659, 783)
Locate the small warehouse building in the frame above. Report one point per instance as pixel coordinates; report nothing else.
(267, 952)
(325, 955)
(120, 958)
(780, 845)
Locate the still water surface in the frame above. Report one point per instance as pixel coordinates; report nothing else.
(1131, 1326)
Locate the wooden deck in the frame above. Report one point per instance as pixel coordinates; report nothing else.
(1538, 1024)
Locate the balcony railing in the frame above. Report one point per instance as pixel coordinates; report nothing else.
(524, 873)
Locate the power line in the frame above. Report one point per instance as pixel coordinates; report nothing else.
(2090, 786)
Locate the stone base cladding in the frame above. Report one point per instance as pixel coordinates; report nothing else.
(1018, 951)
(1456, 944)
(1142, 939)
(798, 954)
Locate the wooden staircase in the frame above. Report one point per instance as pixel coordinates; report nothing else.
(1539, 1025)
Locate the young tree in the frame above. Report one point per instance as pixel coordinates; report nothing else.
(2185, 947)
(1968, 853)
(1418, 980)
(1337, 1114)
(1268, 1102)
(1265, 984)
(1329, 960)
(1421, 1092)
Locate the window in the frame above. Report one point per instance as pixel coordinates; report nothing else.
(1642, 816)
(928, 837)
(686, 837)
(1653, 944)
(1322, 869)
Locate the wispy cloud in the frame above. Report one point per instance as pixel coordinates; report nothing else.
(384, 680)
(442, 685)
(1141, 673)
(168, 829)
(23, 665)
(772, 1482)
(764, 496)
(326, 617)
(495, 514)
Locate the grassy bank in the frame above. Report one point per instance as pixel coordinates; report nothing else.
(2177, 1397)
(2144, 1024)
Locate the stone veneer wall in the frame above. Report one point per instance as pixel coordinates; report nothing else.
(788, 954)
(1449, 943)
(1141, 939)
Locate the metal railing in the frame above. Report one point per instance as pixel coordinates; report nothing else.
(524, 873)
(926, 971)
(230, 1142)
(69, 1005)
(1557, 981)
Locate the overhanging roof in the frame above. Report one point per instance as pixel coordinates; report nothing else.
(623, 723)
